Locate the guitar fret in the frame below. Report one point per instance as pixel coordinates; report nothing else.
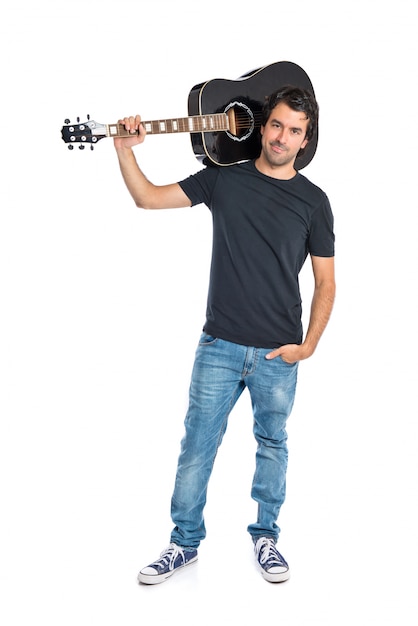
(193, 124)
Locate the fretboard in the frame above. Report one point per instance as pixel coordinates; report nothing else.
(193, 124)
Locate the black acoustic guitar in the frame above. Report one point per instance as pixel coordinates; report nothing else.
(224, 117)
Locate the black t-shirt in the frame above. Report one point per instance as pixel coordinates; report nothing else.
(263, 230)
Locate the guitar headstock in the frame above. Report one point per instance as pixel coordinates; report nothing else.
(89, 132)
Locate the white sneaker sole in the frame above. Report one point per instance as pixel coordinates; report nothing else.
(278, 577)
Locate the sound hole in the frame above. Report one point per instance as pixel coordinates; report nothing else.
(241, 121)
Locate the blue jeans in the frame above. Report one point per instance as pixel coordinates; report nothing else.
(221, 372)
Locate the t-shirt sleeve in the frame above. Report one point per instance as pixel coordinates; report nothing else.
(199, 187)
(321, 236)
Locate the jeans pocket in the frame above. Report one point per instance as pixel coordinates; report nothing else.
(206, 340)
(286, 362)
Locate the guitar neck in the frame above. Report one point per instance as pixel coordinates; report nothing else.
(194, 124)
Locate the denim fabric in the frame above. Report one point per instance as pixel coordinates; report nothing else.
(221, 372)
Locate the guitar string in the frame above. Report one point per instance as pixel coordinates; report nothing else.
(239, 119)
(242, 121)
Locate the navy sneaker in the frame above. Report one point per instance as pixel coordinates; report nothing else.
(171, 560)
(273, 566)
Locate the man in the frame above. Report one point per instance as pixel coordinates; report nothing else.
(267, 218)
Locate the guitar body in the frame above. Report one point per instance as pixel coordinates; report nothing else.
(246, 97)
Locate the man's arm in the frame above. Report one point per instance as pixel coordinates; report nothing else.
(145, 194)
(321, 307)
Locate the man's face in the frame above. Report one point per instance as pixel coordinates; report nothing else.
(283, 136)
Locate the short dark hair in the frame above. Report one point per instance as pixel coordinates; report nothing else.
(297, 99)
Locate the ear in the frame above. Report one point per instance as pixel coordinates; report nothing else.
(304, 144)
(261, 130)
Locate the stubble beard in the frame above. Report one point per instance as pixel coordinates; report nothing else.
(277, 160)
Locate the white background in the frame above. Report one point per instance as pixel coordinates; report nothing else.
(102, 305)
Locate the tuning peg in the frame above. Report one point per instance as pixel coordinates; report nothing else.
(66, 121)
(81, 147)
(91, 147)
(70, 147)
(88, 116)
(78, 120)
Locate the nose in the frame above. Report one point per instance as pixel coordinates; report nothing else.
(282, 135)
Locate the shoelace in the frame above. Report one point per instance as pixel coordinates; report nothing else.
(269, 552)
(169, 556)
